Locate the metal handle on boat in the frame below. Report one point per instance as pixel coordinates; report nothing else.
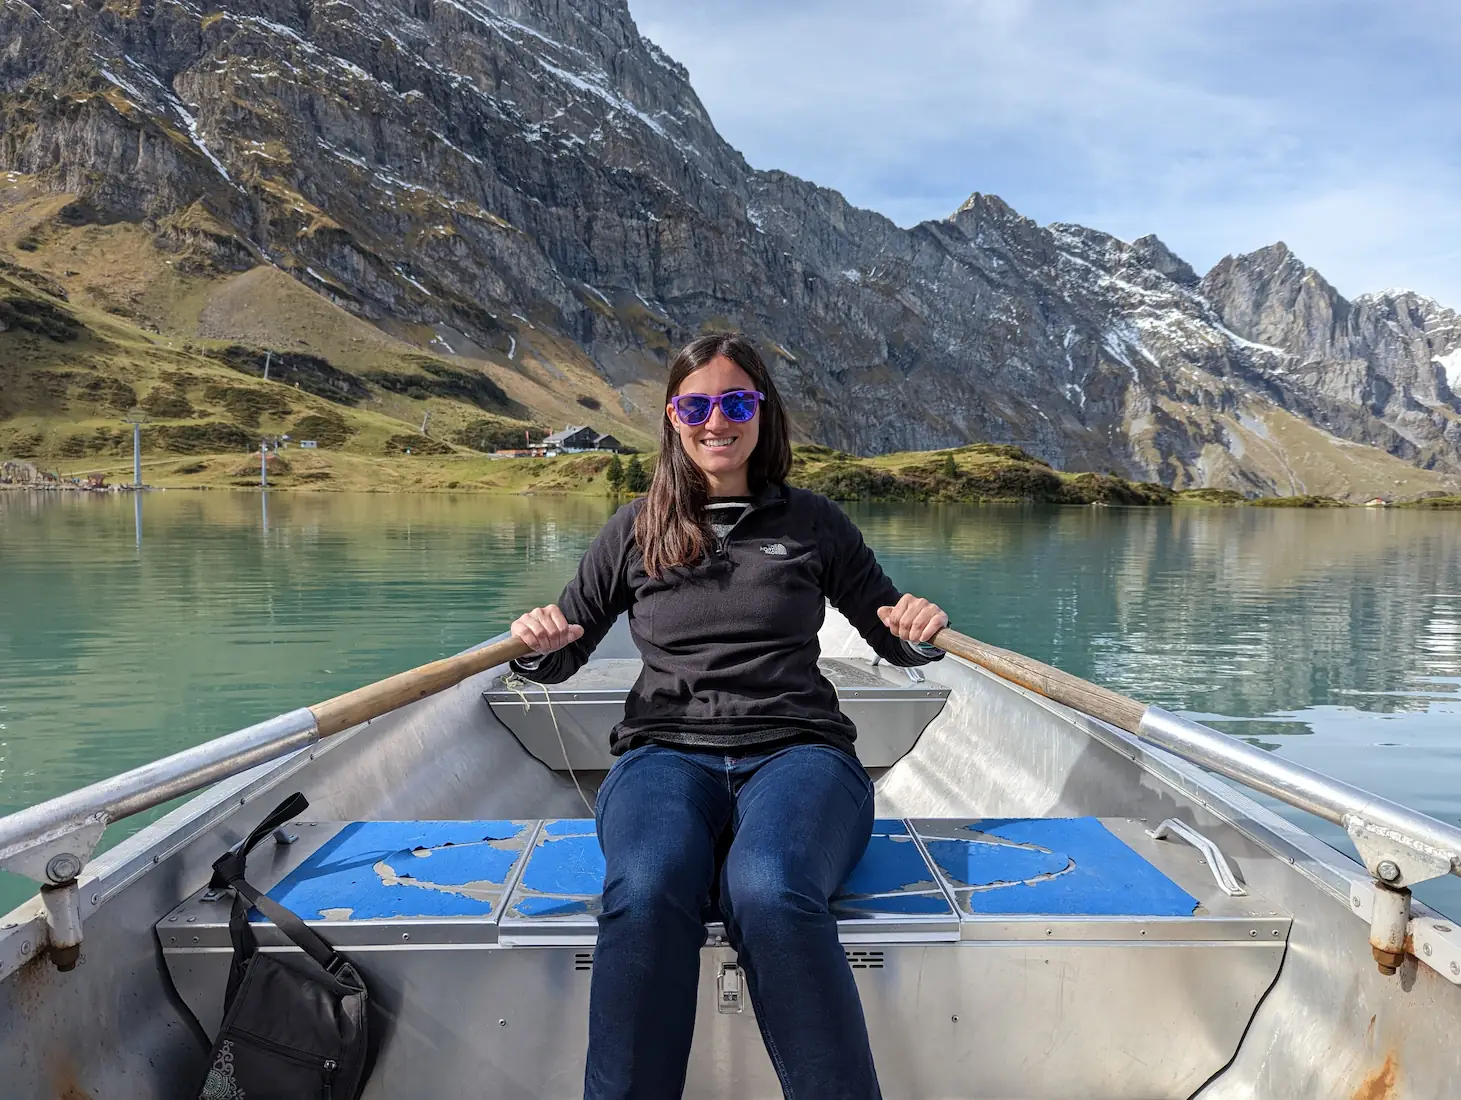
(1226, 880)
(1400, 847)
(52, 842)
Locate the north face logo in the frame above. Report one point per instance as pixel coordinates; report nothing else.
(775, 549)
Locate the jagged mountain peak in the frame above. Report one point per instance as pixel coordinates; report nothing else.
(1278, 265)
(1404, 298)
(1272, 297)
(1154, 253)
(980, 206)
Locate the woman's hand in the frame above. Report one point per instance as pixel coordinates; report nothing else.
(544, 629)
(913, 619)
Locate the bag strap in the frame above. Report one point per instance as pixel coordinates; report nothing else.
(228, 873)
(231, 863)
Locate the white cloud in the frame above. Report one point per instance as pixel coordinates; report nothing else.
(1221, 125)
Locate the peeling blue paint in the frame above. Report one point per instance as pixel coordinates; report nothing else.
(570, 826)
(537, 906)
(1036, 867)
(1049, 867)
(376, 870)
(891, 864)
(570, 866)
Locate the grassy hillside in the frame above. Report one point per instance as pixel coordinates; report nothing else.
(979, 472)
(97, 321)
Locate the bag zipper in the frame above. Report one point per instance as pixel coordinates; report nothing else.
(328, 1066)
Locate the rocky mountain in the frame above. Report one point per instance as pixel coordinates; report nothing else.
(531, 186)
(1377, 369)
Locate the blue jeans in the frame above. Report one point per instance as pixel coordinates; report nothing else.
(788, 825)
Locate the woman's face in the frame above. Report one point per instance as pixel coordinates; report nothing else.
(720, 447)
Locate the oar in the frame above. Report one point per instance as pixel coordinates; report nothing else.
(52, 842)
(384, 696)
(1043, 679)
(1400, 847)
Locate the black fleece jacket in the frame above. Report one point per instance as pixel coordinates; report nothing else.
(730, 645)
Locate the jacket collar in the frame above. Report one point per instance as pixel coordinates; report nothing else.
(773, 492)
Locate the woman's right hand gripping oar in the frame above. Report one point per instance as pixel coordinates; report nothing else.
(544, 629)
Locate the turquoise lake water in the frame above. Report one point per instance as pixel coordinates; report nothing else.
(131, 627)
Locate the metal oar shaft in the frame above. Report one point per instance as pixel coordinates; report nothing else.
(1285, 780)
(191, 769)
(51, 842)
(1400, 846)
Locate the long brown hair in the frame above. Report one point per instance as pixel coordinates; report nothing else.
(670, 529)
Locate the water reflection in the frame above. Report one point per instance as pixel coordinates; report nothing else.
(1239, 611)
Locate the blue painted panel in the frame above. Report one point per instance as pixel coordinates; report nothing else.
(891, 864)
(386, 869)
(1051, 867)
(570, 826)
(564, 877)
(889, 826)
(569, 865)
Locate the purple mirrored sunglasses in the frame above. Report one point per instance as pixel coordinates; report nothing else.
(739, 406)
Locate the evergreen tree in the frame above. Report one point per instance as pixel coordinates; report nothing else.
(615, 474)
(635, 479)
(951, 468)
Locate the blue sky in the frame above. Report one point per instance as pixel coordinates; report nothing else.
(1219, 125)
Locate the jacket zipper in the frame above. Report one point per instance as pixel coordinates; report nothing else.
(327, 1066)
(751, 506)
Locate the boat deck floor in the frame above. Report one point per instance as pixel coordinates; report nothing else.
(477, 938)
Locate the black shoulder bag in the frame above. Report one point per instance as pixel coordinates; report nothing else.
(293, 1028)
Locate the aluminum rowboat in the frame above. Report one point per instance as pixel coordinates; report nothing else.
(1062, 899)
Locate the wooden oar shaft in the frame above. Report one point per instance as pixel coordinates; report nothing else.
(384, 696)
(1043, 679)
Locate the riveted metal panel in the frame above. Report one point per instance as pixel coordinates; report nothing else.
(1040, 1021)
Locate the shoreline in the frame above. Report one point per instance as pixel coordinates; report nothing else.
(972, 474)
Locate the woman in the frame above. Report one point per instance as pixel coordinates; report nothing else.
(736, 775)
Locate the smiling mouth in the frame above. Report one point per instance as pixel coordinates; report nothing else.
(719, 444)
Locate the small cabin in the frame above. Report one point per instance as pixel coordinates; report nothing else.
(579, 437)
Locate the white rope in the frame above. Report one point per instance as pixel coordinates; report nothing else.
(513, 682)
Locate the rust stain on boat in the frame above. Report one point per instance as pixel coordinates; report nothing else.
(1380, 1085)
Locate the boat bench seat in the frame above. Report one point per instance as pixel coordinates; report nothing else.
(1081, 934)
(889, 705)
(543, 880)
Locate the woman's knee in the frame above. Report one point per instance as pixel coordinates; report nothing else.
(649, 885)
(763, 892)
